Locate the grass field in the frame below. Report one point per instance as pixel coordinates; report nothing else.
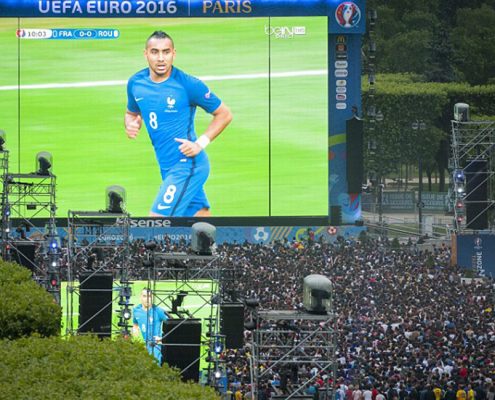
(275, 149)
(194, 302)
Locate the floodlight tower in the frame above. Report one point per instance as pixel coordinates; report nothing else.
(96, 230)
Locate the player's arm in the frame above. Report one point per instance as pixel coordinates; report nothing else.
(133, 123)
(221, 118)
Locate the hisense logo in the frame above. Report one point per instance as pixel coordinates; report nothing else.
(285, 32)
(146, 223)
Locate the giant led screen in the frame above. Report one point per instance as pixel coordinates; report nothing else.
(63, 90)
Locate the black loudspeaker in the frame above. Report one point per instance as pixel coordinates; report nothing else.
(336, 215)
(232, 324)
(23, 254)
(181, 346)
(95, 304)
(355, 157)
(476, 199)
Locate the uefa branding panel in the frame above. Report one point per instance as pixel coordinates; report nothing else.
(345, 14)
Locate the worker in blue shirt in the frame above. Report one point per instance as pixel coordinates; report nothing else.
(147, 320)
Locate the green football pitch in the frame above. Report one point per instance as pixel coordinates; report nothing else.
(271, 160)
(196, 302)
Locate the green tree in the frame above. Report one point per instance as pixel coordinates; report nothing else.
(387, 25)
(404, 98)
(84, 367)
(428, 150)
(404, 7)
(442, 161)
(442, 40)
(440, 60)
(25, 307)
(447, 9)
(474, 44)
(405, 52)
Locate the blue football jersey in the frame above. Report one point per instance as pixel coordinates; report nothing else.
(168, 109)
(149, 321)
(150, 324)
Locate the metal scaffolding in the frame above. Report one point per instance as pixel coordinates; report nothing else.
(471, 142)
(284, 342)
(200, 276)
(98, 241)
(4, 171)
(26, 199)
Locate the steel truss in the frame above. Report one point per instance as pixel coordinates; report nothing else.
(200, 276)
(26, 198)
(4, 171)
(284, 341)
(472, 141)
(101, 239)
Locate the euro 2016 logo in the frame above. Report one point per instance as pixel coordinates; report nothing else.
(348, 14)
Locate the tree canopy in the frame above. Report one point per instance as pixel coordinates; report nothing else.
(443, 40)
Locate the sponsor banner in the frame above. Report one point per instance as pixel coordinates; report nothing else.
(341, 73)
(341, 64)
(435, 201)
(476, 252)
(346, 16)
(344, 100)
(398, 201)
(405, 201)
(238, 234)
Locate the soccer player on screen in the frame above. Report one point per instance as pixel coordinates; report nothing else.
(147, 319)
(165, 98)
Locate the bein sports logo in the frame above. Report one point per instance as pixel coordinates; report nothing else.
(348, 14)
(284, 32)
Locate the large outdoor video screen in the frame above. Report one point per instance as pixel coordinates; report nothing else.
(67, 96)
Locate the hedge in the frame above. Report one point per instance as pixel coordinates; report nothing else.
(85, 367)
(25, 307)
(405, 96)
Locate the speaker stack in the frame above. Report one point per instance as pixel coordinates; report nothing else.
(95, 303)
(181, 346)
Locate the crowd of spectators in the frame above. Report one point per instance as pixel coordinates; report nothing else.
(407, 323)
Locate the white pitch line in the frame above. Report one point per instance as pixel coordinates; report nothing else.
(264, 75)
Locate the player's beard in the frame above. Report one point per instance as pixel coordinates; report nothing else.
(162, 72)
